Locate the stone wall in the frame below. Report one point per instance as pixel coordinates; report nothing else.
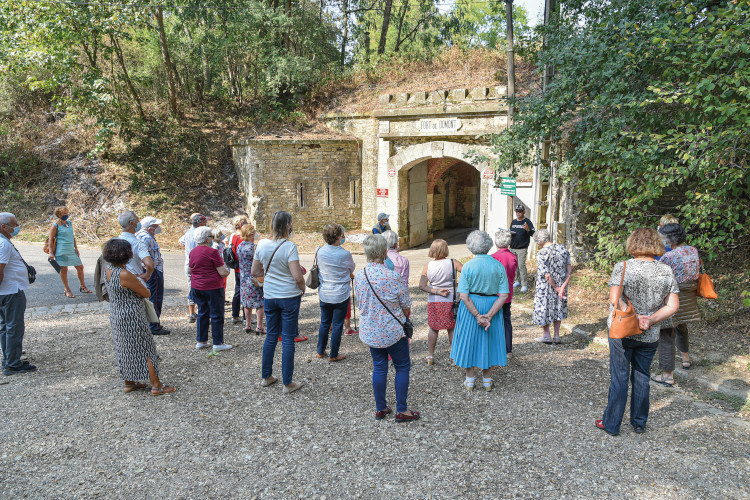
(317, 181)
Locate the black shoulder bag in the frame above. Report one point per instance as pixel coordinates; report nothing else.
(406, 325)
(29, 269)
(456, 300)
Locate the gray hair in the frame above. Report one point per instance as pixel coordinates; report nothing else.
(541, 237)
(280, 224)
(391, 239)
(201, 234)
(375, 247)
(502, 238)
(126, 218)
(6, 218)
(479, 242)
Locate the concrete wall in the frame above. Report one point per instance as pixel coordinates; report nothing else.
(272, 171)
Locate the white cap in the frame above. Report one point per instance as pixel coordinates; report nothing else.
(150, 221)
(383, 215)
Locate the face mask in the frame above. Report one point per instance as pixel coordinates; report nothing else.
(343, 240)
(138, 227)
(64, 217)
(15, 231)
(157, 230)
(290, 233)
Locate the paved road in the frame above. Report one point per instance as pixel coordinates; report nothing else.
(47, 291)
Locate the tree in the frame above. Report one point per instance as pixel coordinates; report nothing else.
(649, 110)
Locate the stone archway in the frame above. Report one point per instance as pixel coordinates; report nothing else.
(418, 169)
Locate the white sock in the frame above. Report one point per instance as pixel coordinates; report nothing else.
(487, 381)
(469, 380)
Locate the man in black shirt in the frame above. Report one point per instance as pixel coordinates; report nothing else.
(521, 231)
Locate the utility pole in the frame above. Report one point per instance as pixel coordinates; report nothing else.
(550, 7)
(511, 61)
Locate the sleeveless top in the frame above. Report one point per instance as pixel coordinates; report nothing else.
(440, 275)
(64, 239)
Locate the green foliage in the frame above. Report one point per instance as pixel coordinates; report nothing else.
(649, 108)
(475, 24)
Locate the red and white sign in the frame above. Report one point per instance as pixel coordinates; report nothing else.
(391, 172)
(382, 192)
(488, 174)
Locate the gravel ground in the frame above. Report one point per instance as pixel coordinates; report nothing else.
(70, 432)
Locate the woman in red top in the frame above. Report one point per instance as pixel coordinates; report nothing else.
(510, 262)
(207, 272)
(237, 222)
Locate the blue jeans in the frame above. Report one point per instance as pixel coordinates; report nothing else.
(628, 359)
(508, 328)
(282, 316)
(331, 314)
(12, 328)
(210, 308)
(155, 285)
(399, 352)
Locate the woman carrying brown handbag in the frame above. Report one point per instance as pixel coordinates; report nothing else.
(63, 249)
(652, 289)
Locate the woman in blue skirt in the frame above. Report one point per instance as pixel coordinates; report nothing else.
(479, 340)
(64, 249)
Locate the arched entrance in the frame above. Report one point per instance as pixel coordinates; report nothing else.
(438, 188)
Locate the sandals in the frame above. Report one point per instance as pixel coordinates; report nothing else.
(686, 365)
(661, 379)
(84, 289)
(544, 340)
(70, 295)
(164, 389)
(250, 329)
(430, 360)
(133, 387)
(260, 331)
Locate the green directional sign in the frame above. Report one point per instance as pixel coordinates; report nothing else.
(508, 186)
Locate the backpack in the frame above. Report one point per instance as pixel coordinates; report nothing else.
(230, 258)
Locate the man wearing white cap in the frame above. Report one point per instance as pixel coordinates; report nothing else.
(150, 227)
(382, 225)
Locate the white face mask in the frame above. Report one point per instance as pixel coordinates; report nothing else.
(157, 230)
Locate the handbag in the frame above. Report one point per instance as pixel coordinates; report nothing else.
(456, 300)
(407, 325)
(229, 257)
(31, 272)
(151, 311)
(258, 282)
(54, 264)
(313, 279)
(624, 323)
(705, 285)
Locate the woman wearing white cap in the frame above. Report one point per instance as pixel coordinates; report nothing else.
(150, 227)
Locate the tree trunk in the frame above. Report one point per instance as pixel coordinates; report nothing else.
(128, 82)
(384, 29)
(345, 37)
(401, 25)
(159, 15)
(511, 61)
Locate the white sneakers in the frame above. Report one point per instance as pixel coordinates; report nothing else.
(524, 289)
(516, 284)
(220, 347)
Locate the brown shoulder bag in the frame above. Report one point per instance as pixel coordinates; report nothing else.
(624, 323)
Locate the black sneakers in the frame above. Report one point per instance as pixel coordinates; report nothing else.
(25, 367)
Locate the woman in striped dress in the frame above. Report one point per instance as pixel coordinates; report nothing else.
(479, 340)
(135, 349)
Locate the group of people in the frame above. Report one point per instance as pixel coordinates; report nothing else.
(471, 301)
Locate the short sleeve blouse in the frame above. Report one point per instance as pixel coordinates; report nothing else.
(483, 275)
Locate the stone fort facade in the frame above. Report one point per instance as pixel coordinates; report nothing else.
(416, 156)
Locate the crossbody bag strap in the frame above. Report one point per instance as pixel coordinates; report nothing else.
(265, 271)
(381, 302)
(622, 280)
(19, 254)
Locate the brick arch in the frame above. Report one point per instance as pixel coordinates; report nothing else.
(408, 157)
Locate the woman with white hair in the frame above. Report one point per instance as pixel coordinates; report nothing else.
(384, 304)
(400, 263)
(207, 273)
(276, 265)
(479, 340)
(508, 259)
(553, 270)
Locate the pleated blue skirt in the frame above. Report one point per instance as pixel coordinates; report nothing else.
(472, 345)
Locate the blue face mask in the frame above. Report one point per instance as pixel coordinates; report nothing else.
(15, 231)
(64, 217)
(343, 240)
(138, 227)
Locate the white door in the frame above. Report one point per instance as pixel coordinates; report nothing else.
(418, 204)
